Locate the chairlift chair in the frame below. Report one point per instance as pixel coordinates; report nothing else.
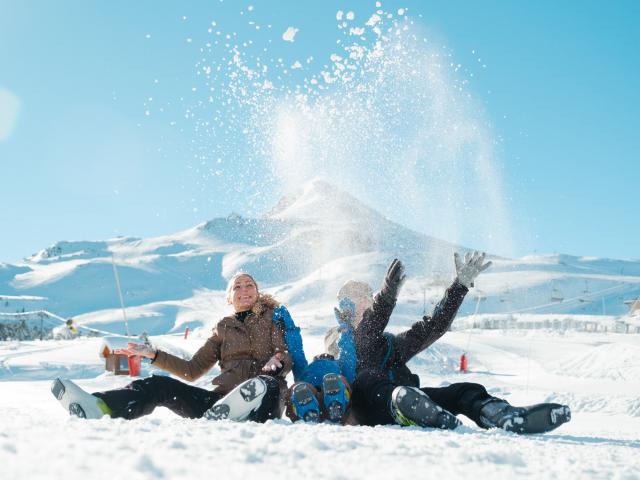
(556, 295)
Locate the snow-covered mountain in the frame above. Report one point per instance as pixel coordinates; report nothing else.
(302, 250)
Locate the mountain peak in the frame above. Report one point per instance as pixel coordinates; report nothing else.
(319, 200)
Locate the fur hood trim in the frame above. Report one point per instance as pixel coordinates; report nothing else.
(265, 302)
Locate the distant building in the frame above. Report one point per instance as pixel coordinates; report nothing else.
(117, 363)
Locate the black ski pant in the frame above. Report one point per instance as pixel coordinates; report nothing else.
(372, 391)
(141, 397)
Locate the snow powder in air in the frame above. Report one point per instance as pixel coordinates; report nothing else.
(289, 34)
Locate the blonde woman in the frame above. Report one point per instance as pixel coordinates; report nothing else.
(249, 348)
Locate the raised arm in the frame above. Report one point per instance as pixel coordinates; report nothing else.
(368, 334)
(375, 320)
(287, 342)
(347, 358)
(429, 329)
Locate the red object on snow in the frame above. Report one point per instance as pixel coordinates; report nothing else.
(463, 363)
(186, 333)
(135, 362)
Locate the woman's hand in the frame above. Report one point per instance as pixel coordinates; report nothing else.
(274, 365)
(136, 349)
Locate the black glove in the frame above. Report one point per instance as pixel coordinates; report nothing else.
(393, 281)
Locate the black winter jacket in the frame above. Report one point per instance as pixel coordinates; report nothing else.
(386, 353)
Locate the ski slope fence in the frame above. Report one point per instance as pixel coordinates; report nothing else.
(580, 323)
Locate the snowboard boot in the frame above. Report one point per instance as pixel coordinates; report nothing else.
(540, 418)
(304, 404)
(412, 407)
(336, 396)
(240, 402)
(78, 402)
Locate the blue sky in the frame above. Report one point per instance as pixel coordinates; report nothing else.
(557, 82)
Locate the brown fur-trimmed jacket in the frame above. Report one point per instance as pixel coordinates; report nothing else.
(242, 348)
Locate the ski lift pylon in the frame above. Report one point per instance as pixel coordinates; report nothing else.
(556, 294)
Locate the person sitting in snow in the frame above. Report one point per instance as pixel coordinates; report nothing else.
(250, 348)
(385, 391)
(321, 393)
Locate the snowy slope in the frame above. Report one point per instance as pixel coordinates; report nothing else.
(39, 440)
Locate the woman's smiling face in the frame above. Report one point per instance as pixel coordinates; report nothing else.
(244, 293)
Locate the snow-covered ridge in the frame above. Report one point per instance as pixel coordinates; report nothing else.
(303, 250)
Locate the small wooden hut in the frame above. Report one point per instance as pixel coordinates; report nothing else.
(117, 363)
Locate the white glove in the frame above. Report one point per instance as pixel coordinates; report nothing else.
(137, 349)
(472, 266)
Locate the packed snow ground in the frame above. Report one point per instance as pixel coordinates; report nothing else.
(596, 374)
